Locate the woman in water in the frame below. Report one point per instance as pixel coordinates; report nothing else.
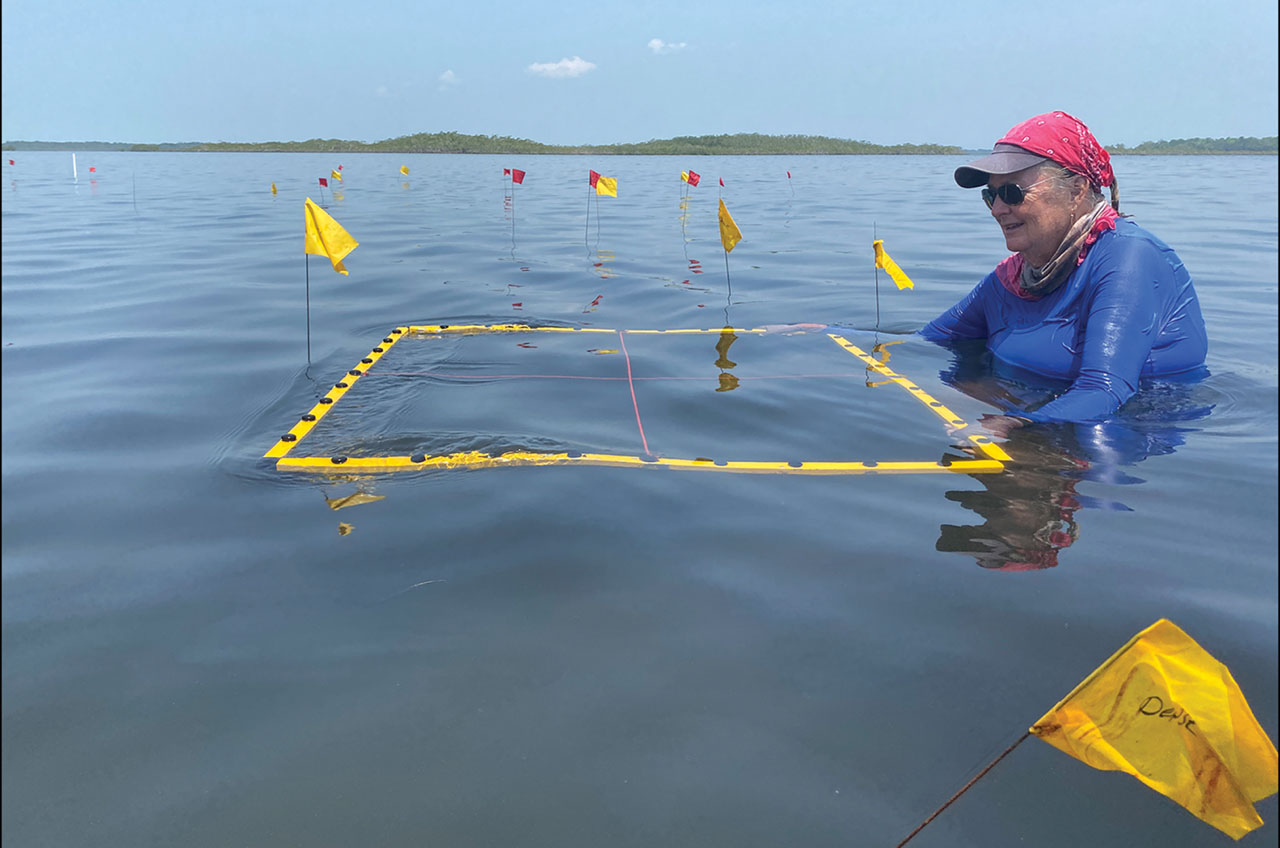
(1088, 296)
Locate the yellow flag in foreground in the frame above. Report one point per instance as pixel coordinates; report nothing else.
(273, 188)
(684, 175)
(404, 169)
(885, 262)
(607, 186)
(1165, 711)
(334, 175)
(326, 237)
(730, 235)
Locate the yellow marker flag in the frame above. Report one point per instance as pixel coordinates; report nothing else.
(684, 175)
(730, 235)
(273, 188)
(1165, 711)
(607, 186)
(885, 262)
(334, 175)
(326, 237)
(404, 169)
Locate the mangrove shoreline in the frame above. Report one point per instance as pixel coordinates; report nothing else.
(739, 144)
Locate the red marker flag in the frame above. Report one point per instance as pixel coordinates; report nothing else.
(722, 182)
(593, 178)
(91, 170)
(10, 161)
(324, 182)
(506, 172)
(788, 175)
(339, 167)
(693, 178)
(517, 175)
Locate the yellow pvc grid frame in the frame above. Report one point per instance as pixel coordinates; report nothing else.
(992, 461)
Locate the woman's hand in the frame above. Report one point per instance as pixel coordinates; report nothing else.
(1001, 425)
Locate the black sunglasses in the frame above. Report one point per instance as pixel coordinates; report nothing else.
(1011, 193)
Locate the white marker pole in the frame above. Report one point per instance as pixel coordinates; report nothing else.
(75, 176)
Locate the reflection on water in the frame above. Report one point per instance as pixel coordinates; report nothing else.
(685, 198)
(880, 352)
(600, 260)
(728, 382)
(354, 499)
(1029, 510)
(786, 209)
(694, 268)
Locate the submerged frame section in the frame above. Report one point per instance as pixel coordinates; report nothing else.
(989, 456)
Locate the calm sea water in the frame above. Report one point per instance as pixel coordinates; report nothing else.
(193, 655)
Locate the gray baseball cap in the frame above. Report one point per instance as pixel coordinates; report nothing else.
(1003, 159)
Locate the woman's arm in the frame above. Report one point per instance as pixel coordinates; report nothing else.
(966, 320)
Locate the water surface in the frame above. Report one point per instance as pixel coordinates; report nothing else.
(588, 656)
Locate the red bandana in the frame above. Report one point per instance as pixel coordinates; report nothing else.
(1065, 140)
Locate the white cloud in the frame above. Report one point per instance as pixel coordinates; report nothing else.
(657, 45)
(574, 67)
(447, 80)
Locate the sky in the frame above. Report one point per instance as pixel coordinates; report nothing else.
(572, 72)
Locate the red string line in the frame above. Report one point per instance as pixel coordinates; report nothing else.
(859, 375)
(632, 385)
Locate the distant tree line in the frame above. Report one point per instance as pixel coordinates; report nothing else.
(68, 145)
(1239, 144)
(452, 142)
(685, 145)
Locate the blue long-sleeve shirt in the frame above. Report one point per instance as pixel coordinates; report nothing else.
(1128, 311)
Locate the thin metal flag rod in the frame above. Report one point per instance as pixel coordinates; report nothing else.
(964, 789)
(876, 268)
(306, 258)
(728, 297)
